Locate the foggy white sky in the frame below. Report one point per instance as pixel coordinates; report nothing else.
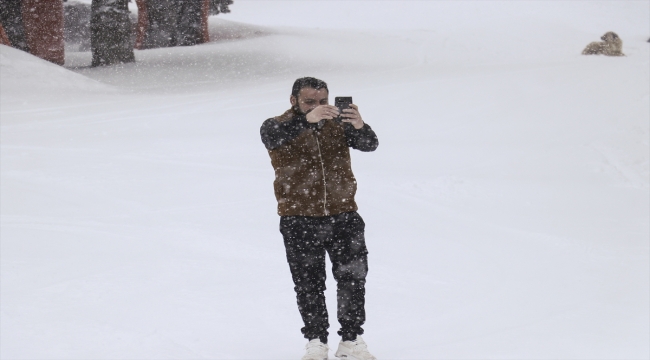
(609, 15)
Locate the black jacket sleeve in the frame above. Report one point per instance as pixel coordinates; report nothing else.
(275, 133)
(363, 139)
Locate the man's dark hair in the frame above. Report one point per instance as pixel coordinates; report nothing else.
(307, 82)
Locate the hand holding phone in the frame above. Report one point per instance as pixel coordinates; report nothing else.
(349, 111)
(342, 102)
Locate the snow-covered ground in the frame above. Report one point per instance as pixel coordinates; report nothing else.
(506, 207)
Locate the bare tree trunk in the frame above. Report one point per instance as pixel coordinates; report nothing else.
(4, 40)
(43, 22)
(143, 24)
(110, 32)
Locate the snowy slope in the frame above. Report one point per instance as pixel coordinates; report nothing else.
(24, 75)
(506, 207)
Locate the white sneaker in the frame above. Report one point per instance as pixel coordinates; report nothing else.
(354, 350)
(316, 350)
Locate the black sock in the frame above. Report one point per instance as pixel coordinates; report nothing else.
(322, 339)
(349, 337)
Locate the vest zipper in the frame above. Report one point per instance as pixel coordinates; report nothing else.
(322, 165)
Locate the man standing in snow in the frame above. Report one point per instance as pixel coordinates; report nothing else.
(314, 185)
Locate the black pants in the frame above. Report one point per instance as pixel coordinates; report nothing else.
(306, 239)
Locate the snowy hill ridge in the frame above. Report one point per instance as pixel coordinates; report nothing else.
(21, 71)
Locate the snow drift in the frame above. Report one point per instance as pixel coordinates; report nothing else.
(24, 73)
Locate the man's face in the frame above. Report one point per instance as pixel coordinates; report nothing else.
(309, 98)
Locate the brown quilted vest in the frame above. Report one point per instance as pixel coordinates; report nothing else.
(313, 173)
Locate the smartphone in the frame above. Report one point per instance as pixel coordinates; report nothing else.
(342, 102)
